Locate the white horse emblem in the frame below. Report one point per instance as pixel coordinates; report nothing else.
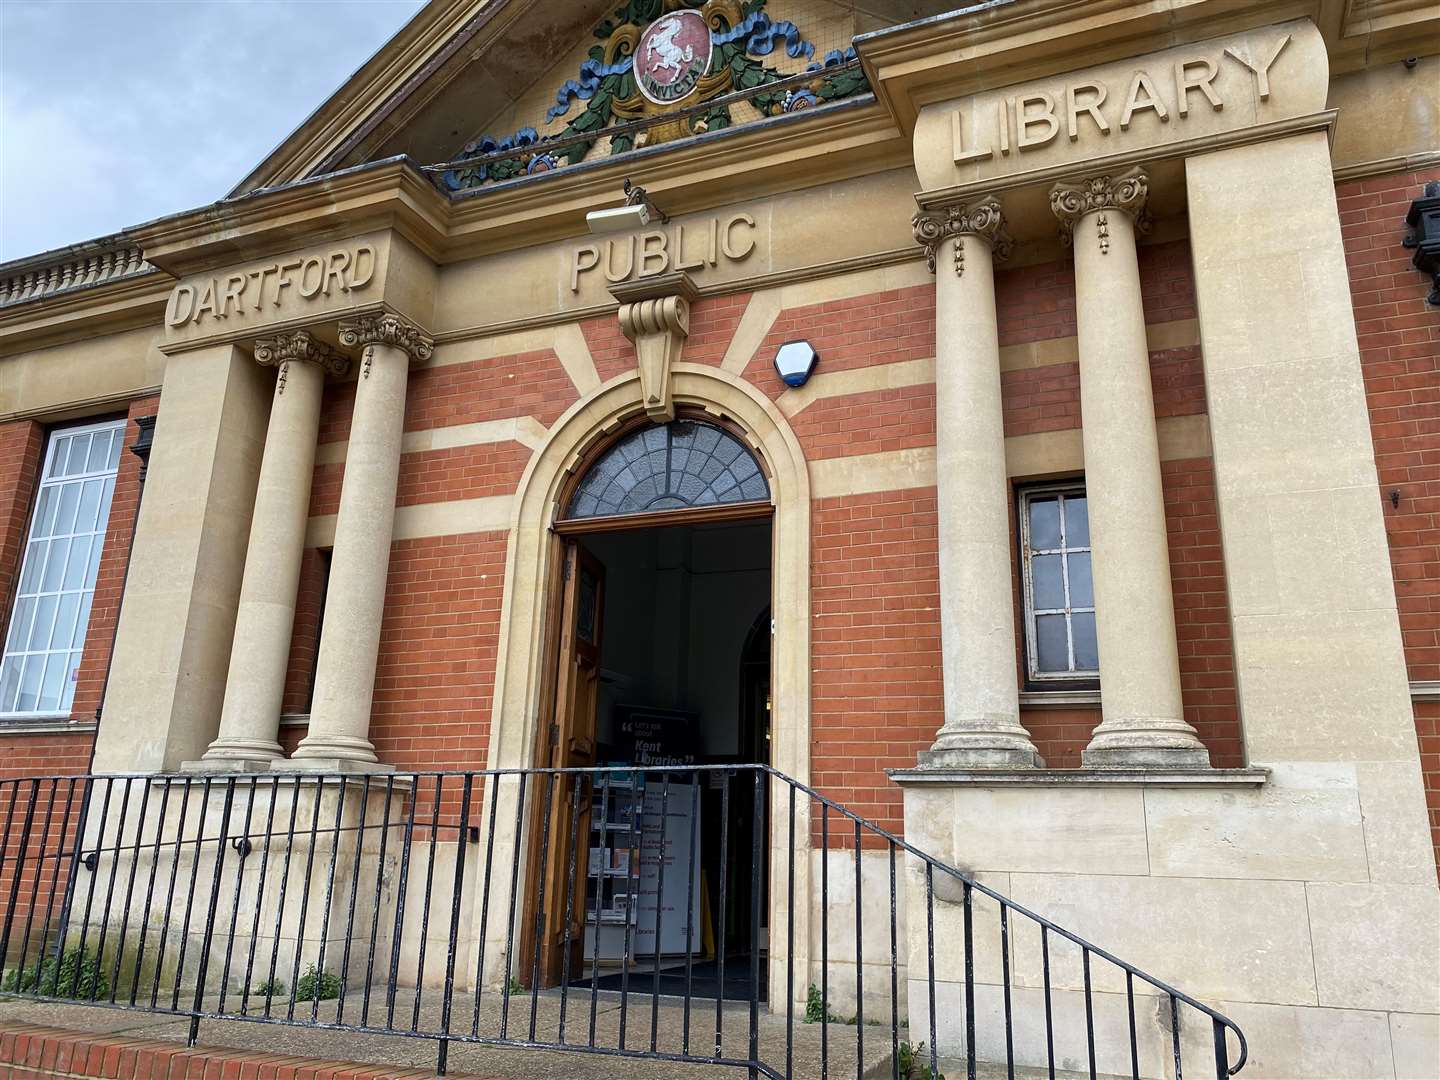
(662, 44)
(671, 57)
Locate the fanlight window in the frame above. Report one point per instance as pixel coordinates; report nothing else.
(672, 466)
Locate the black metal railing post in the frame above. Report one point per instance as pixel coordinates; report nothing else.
(462, 835)
(220, 843)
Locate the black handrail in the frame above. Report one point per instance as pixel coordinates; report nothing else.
(357, 865)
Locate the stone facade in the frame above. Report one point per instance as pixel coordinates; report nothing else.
(1162, 255)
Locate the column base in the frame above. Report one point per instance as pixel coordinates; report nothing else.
(977, 757)
(234, 754)
(326, 747)
(1149, 742)
(1159, 757)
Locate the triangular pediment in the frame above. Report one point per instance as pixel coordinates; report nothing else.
(464, 75)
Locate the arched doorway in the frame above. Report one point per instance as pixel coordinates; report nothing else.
(665, 571)
(525, 694)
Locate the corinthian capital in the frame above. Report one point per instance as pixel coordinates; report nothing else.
(300, 345)
(1125, 192)
(386, 328)
(982, 218)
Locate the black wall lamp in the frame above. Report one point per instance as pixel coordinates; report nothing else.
(1424, 236)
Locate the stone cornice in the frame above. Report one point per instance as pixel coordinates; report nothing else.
(386, 328)
(1125, 193)
(303, 346)
(827, 143)
(983, 218)
(384, 194)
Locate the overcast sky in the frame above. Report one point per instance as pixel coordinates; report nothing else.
(114, 112)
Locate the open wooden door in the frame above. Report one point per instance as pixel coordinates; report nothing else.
(572, 745)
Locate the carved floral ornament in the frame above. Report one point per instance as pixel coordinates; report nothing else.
(384, 328)
(656, 57)
(983, 218)
(298, 345)
(1127, 192)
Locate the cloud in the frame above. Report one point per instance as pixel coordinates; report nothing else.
(115, 112)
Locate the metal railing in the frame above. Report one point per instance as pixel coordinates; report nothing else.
(719, 914)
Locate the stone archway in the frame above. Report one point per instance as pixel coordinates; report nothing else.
(521, 655)
(517, 706)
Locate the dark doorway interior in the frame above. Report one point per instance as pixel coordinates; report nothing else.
(684, 679)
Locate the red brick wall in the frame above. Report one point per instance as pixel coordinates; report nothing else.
(466, 392)
(861, 331)
(1399, 336)
(305, 635)
(1427, 728)
(611, 350)
(435, 476)
(712, 324)
(1060, 734)
(1202, 609)
(1035, 303)
(1041, 399)
(874, 422)
(876, 695)
(436, 676)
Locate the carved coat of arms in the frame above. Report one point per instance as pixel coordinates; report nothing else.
(657, 57)
(674, 51)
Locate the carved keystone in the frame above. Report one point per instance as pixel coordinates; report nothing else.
(655, 315)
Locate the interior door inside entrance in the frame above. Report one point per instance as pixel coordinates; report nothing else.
(663, 662)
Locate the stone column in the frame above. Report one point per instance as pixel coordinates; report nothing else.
(360, 564)
(183, 585)
(260, 653)
(1143, 718)
(977, 621)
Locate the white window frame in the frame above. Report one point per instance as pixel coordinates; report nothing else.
(1032, 653)
(87, 592)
